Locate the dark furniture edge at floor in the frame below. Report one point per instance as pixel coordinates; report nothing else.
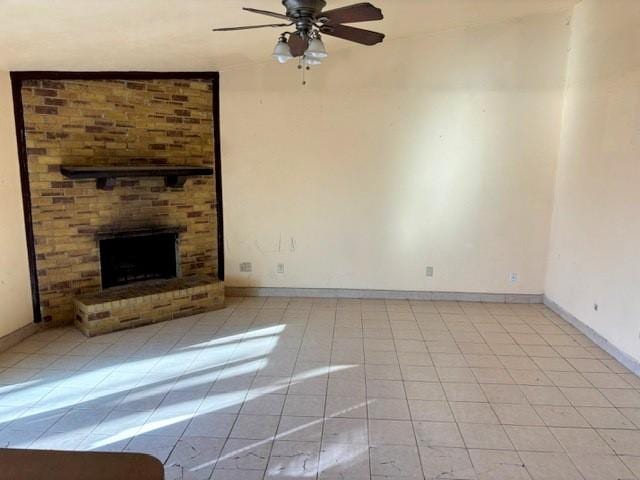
(17, 77)
(23, 464)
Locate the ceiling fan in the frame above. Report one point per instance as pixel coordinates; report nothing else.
(310, 21)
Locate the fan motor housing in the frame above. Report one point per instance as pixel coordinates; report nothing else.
(304, 8)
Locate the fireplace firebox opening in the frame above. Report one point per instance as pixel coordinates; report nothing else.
(129, 257)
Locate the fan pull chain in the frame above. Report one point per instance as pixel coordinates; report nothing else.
(304, 71)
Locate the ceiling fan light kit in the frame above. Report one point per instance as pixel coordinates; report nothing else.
(310, 21)
(313, 55)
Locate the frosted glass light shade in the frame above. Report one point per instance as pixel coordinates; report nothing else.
(309, 61)
(282, 52)
(316, 49)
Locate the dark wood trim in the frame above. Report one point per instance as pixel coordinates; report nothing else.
(124, 75)
(175, 176)
(108, 171)
(18, 77)
(16, 90)
(218, 171)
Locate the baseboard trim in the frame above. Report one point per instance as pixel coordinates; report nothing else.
(381, 294)
(625, 359)
(17, 336)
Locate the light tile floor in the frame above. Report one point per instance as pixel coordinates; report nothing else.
(326, 388)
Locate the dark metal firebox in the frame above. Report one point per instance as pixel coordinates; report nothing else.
(135, 256)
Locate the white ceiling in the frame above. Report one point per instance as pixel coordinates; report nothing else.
(176, 34)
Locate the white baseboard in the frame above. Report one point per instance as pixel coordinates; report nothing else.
(381, 294)
(625, 359)
(17, 336)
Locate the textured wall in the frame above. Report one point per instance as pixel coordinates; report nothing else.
(115, 123)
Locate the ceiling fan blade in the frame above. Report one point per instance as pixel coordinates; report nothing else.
(266, 12)
(231, 29)
(359, 12)
(298, 45)
(358, 35)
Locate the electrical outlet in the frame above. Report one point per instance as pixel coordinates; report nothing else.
(246, 267)
(513, 277)
(429, 271)
(280, 268)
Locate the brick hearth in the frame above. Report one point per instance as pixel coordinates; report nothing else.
(147, 302)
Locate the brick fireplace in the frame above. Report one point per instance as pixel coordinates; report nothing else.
(141, 235)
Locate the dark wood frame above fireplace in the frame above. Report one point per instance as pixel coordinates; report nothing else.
(17, 79)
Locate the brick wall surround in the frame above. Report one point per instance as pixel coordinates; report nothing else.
(114, 122)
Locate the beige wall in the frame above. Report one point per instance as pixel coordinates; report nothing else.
(15, 292)
(431, 150)
(595, 241)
